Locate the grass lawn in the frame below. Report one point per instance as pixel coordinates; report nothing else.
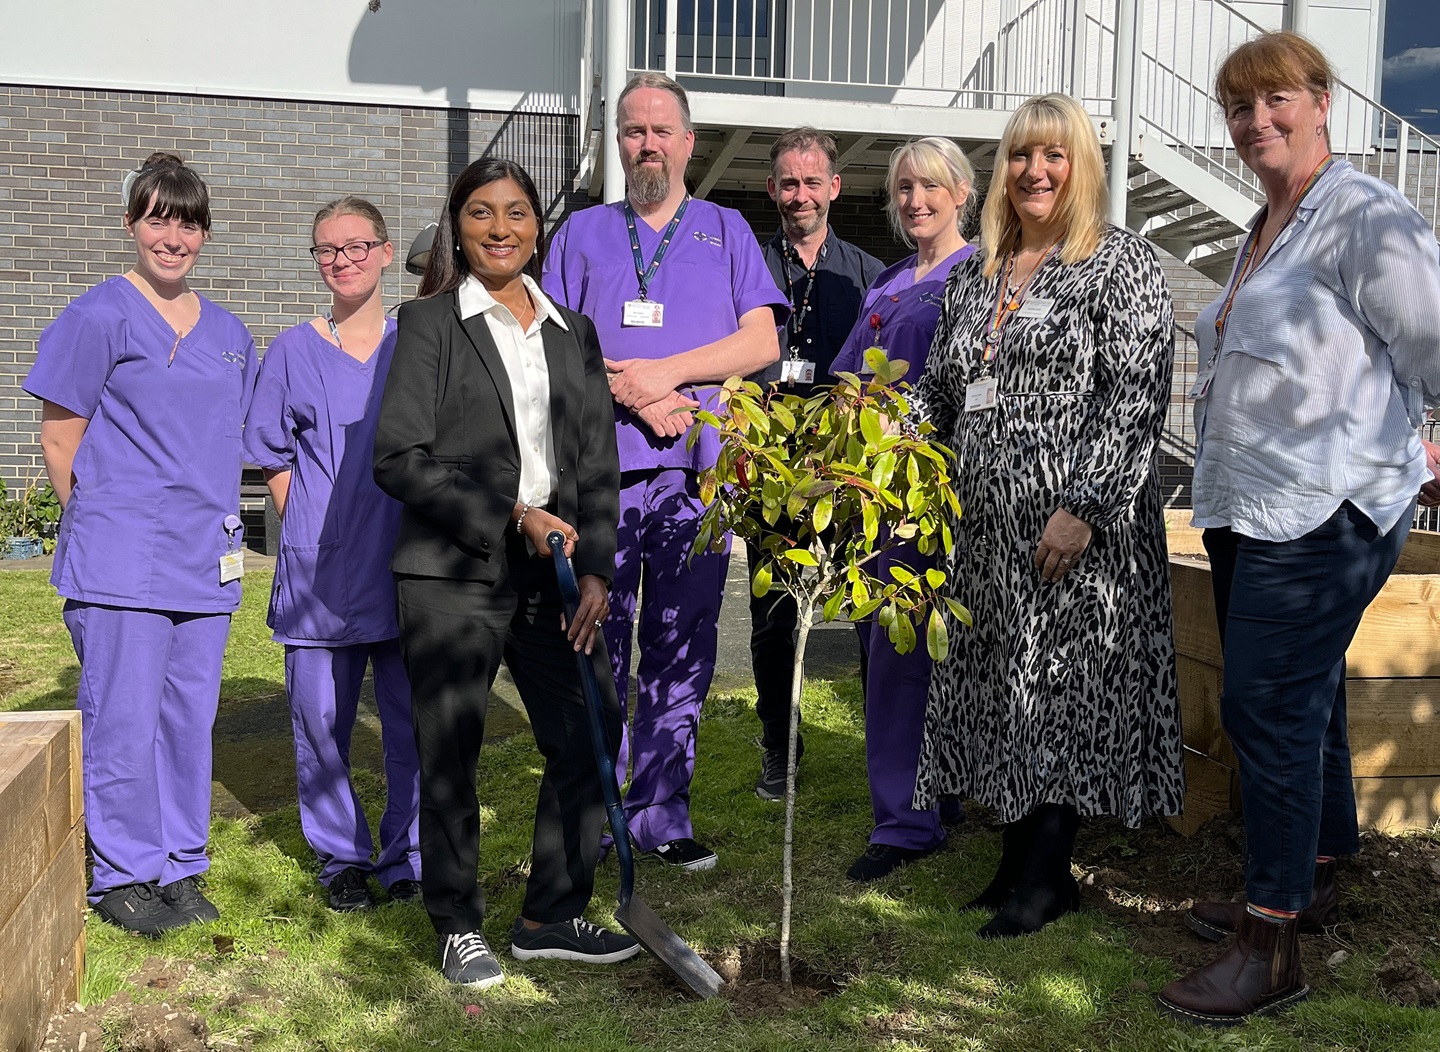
(891, 966)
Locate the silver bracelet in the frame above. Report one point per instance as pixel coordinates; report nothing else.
(520, 522)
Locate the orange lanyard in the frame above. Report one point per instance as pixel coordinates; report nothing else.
(1003, 310)
(1251, 258)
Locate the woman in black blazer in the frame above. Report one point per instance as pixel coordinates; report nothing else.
(495, 429)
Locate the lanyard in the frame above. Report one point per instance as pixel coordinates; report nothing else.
(1249, 260)
(1002, 310)
(644, 274)
(798, 310)
(334, 330)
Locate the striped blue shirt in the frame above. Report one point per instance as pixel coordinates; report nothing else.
(1330, 359)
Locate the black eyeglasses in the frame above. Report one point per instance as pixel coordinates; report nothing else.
(355, 252)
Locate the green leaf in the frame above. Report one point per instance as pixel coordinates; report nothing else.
(782, 415)
(937, 639)
(760, 584)
(875, 359)
(961, 614)
(831, 609)
(870, 425)
(902, 574)
(803, 556)
(824, 508)
(934, 578)
(859, 592)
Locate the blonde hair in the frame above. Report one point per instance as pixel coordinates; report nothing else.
(1046, 120)
(351, 205)
(933, 158)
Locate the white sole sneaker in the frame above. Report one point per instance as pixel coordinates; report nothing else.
(558, 954)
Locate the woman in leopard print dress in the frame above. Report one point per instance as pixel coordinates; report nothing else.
(1049, 378)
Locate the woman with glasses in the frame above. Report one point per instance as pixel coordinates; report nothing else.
(312, 429)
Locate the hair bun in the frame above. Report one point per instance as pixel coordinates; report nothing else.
(163, 159)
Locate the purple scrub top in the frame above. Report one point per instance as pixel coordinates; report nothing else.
(712, 274)
(158, 469)
(908, 310)
(314, 415)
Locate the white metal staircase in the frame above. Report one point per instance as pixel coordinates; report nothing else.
(877, 72)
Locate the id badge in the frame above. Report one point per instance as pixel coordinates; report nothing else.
(1201, 387)
(232, 565)
(1035, 307)
(643, 314)
(797, 371)
(981, 394)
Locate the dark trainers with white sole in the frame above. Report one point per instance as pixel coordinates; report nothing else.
(185, 898)
(349, 891)
(573, 940)
(139, 909)
(684, 853)
(466, 960)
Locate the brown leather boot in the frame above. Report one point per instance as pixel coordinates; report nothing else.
(1259, 974)
(1217, 921)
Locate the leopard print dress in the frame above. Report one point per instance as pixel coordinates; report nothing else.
(1064, 692)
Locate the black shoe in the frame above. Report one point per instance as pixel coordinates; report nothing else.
(572, 940)
(771, 783)
(404, 890)
(139, 909)
(465, 959)
(880, 860)
(686, 854)
(349, 891)
(185, 898)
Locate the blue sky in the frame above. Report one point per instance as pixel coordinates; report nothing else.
(1410, 82)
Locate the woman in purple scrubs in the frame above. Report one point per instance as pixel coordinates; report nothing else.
(145, 384)
(312, 429)
(929, 187)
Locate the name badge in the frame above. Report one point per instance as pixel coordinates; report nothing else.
(1202, 381)
(232, 565)
(797, 370)
(981, 394)
(1035, 307)
(644, 314)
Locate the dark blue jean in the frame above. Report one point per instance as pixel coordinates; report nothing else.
(1287, 611)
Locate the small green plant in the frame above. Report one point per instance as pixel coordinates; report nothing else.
(34, 513)
(822, 487)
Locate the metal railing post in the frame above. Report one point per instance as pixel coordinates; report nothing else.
(672, 35)
(616, 71)
(1127, 42)
(1297, 15)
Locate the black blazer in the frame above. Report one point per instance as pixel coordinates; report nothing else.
(446, 446)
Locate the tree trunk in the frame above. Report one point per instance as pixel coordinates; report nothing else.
(806, 615)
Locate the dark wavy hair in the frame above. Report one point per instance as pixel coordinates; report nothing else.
(448, 266)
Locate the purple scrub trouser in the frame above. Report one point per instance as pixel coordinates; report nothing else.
(149, 688)
(895, 691)
(324, 688)
(679, 623)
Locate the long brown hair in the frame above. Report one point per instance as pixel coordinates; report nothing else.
(164, 188)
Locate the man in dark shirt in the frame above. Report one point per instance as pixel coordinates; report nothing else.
(825, 279)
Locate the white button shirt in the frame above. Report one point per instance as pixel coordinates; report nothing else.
(1330, 357)
(523, 352)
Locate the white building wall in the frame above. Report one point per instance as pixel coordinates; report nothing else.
(481, 54)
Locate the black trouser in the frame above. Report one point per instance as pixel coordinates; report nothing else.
(772, 654)
(453, 634)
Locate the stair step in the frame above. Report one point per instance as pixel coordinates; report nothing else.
(1200, 229)
(1157, 198)
(1216, 265)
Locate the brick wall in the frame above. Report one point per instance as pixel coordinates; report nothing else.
(269, 165)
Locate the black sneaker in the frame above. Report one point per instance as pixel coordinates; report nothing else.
(880, 860)
(686, 854)
(404, 890)
(140, 909)
(185, 898)
(572, 940)
(771, 783)
(349, 891)
(465, 959)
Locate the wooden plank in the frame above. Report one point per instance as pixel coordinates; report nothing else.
(58, 733)
(1210, 789)
(38, 963)
(1399, 635)
(1398, 805)
(35, 842)
(1200, 710)
(1421, 554)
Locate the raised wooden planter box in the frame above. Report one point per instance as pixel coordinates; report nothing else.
(1392, 690)
(42, 873)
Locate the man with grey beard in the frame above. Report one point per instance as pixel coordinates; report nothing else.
(680, 297)
(824, 279)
